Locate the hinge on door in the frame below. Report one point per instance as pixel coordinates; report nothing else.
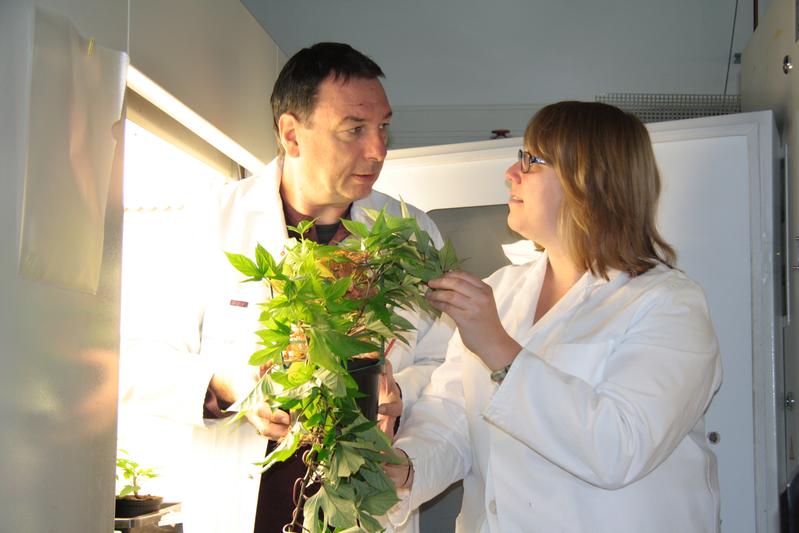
(785, 236)
(795, 268)
(790, 401)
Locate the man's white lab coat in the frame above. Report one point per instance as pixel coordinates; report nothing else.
(598, 425)
(169, 375)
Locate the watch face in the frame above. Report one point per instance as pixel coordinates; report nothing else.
(498, 375)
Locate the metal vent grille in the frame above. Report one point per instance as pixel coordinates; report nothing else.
(661, 107)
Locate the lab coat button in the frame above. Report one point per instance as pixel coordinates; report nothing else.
(492, 506)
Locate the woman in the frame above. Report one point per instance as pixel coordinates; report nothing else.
(572, 398)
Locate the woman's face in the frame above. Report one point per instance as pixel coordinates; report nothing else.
(535, 200)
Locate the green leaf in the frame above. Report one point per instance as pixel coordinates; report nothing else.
(299, 373)
(370, 213)
(319, 352)
(338, 288)
(333, 381)
(310, 512)
(404, 209)
(348, 461)
(281, 378)
(359, 426)
(401, 322)
(267, 354)
(379, 504)
(353, 529)
(379, 225)
(272, 338)
(245, 265)
(296, 393)
(360, 445)
(448, 257)
(285, 449)
(377, 478)
(303, 226)
(265, 261)
(339, 511)
(347, 346)
(369, 523)
(356, 228)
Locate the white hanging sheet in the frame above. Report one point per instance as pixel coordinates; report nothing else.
(77, 91)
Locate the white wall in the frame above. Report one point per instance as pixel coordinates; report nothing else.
(215, 58)
(58, 348)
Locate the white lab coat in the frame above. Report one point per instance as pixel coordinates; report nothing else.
(598, 425)
(167, 373)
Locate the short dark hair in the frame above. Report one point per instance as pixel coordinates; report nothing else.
(298, 83)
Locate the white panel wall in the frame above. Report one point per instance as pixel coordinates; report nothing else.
(58, 348)
(215, 58)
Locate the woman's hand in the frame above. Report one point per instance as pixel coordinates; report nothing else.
(470, 303)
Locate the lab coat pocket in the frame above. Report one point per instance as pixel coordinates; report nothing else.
(582, 360)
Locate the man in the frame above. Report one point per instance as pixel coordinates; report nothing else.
(331, 117)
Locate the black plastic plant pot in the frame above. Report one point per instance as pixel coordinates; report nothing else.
(129, 506)
(366, 373)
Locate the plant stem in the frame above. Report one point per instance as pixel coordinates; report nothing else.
(305, 483)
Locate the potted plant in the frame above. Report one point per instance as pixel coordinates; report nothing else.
(331, 312)
(129, 501)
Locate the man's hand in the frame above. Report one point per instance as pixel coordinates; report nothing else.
(269, 423)
(389, 405)
(401, 474)
(232, 385)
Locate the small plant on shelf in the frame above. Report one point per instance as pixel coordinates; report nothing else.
(129, 500)
(332, 308)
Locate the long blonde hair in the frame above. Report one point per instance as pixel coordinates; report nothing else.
(604, 160)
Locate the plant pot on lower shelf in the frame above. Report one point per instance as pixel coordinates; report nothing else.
(366, 373)
(129, 506)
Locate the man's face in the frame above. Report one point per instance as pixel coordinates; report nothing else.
(342, 144)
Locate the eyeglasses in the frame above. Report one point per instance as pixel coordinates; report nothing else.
(526, 160)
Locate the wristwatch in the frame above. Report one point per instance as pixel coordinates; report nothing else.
(498, 375)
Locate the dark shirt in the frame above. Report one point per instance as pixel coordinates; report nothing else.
(321, 233)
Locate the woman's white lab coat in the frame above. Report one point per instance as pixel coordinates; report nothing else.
(598, 425)
(168, 373)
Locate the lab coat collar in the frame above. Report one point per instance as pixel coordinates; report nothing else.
(260, 195)
(265, 188)
(531, 335)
